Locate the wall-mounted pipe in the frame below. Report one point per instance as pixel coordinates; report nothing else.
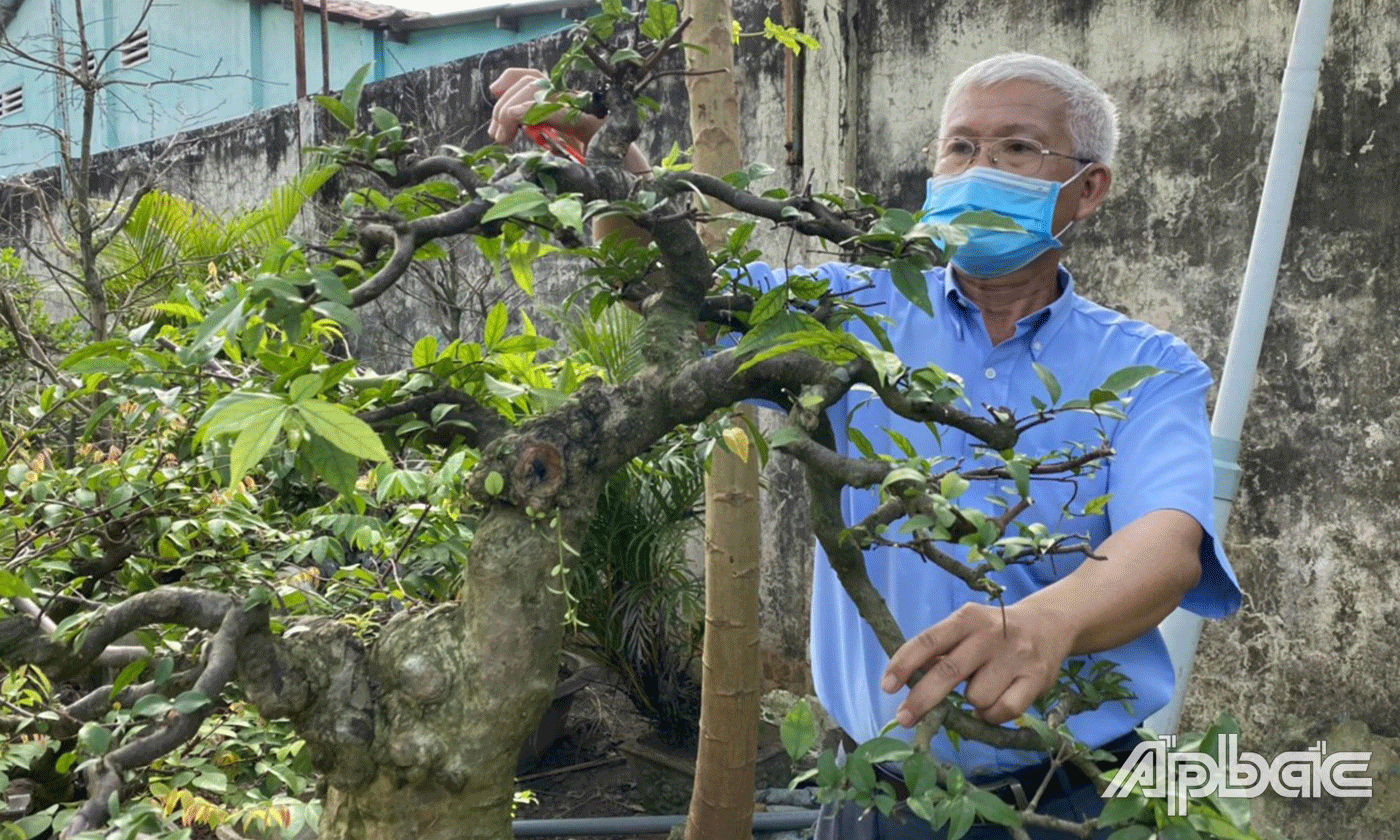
(1300, 78)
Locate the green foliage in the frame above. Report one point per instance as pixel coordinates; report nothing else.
(790, 37)
(640, 606)
(168, 241)
(225, 442)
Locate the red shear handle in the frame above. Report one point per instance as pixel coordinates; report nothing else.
(554, 140)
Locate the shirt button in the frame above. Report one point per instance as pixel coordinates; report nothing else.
(991, 373)
(1037, 346)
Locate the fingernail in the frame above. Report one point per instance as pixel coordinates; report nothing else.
(889, 684)
(905, 718)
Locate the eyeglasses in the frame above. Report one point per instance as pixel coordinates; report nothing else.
(1021, 155)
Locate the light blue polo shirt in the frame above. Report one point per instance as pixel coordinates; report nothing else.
(1162, 460)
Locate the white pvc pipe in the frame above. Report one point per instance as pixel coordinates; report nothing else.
(1300, 77)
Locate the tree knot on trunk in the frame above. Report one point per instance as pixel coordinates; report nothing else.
(538, 473)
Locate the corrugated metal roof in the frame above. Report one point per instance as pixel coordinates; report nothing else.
(497, 11)
(372, 15)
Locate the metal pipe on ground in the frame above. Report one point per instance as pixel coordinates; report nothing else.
(763, 823)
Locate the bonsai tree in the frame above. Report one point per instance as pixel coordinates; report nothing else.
(220, 527)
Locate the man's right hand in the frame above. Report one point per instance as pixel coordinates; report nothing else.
(516, 91)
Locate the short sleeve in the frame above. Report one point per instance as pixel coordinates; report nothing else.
(1162, 460)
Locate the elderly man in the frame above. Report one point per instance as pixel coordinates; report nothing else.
(1032, 139)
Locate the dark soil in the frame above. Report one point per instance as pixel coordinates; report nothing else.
(583, 774)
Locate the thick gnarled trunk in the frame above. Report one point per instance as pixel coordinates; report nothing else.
(418, 732)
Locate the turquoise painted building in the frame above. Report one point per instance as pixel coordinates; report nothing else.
(177, 65)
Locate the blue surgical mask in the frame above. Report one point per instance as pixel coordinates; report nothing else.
(1029, 202)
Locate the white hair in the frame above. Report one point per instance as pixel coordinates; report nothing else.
(1093, 118)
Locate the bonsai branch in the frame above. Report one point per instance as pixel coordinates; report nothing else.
(105, 778)
(997, 434)
(469, 421)
(1068, 465)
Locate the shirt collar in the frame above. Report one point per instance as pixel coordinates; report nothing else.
(1039, 327)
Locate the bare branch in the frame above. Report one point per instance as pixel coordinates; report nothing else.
(165, 605)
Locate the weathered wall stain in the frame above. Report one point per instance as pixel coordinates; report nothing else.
(1312, 654)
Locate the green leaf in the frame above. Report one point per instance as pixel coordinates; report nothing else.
(350, 96)
(992, 809)
(237, 412)
(521, 258)
(494, 483)
(785, 435)
(1052, 385)
(382, 119)
(150, 706)
(799, 730)
(963, 815)
(911, 283)
(522, 203)
(920, 775)
(425, 352)
(337, 110)
(569, 211)
(1122, 809)
(343, 430)
(903, 474)
(1132, 832)
(902, 443)
(861, 773)
(1234, 809)
(1021, 474)
(1178, 829)
(496, 321)
(94, 739)
(884, 750)
(1129, 378)
(771, 303)
(253, 443)
(190, 701)
(777, 330)
(953, 485)
(225, 318)
(661, 19)
(35, 824)
(1213, 826)
(305, 388)
(128, 676)
(336, 467)
(923, 808)
(110, 365)
(12, 585)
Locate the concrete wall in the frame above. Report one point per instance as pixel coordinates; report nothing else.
(1312, 654)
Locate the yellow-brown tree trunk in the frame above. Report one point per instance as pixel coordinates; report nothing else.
(721, 805)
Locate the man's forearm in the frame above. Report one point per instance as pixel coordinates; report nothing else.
(1150, 564)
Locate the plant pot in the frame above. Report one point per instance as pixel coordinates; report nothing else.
(665, 774)
(574, 673)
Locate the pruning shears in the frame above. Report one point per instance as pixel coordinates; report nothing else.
(554, 140)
